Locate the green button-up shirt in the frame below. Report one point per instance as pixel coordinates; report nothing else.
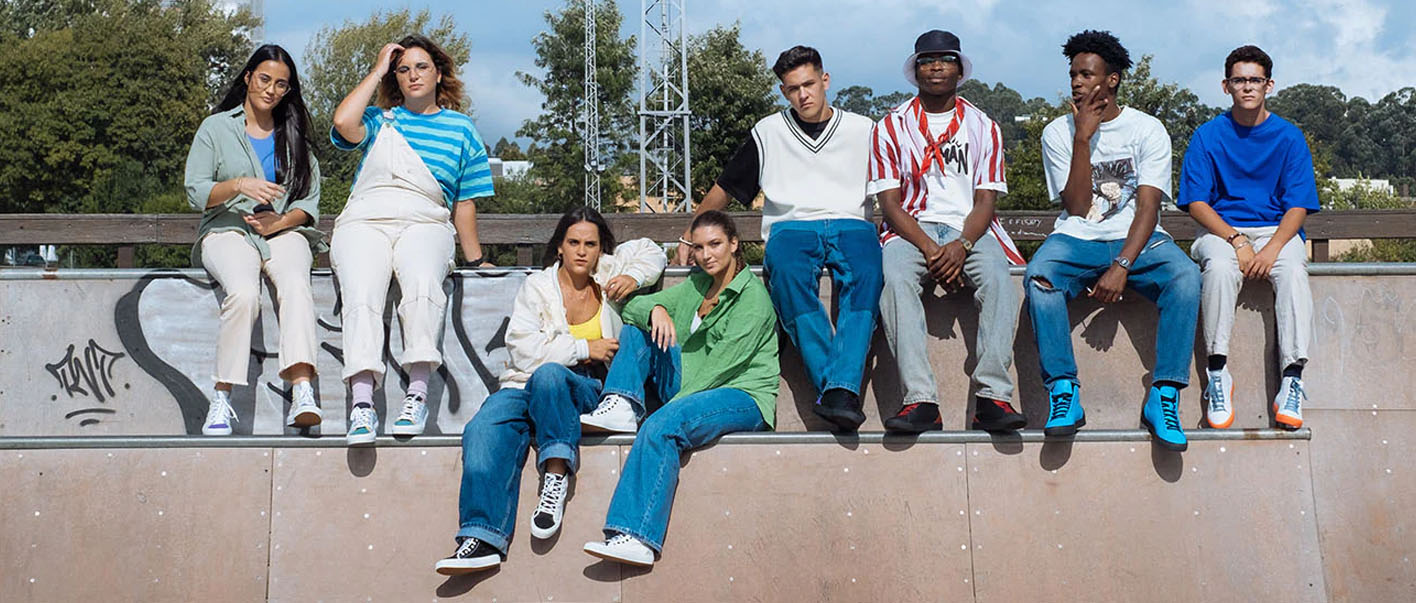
(221, 151)
(736, 344)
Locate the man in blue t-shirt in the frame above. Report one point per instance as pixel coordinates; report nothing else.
(1248, 180)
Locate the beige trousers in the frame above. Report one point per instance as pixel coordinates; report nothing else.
(1293, 297)
(237, 267)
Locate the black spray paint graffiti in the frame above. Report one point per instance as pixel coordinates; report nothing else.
(88, 374)
(193, 401)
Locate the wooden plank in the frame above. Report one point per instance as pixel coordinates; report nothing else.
(524, 229)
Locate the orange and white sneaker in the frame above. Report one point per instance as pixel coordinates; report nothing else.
(1219, 399)
(1288, 404)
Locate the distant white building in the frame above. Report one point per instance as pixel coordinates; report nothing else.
(1378, 185)
(509, 169)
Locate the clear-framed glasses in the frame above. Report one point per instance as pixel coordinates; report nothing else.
(937, 58)
(261, 81)
(1240, 82)
(423, 69)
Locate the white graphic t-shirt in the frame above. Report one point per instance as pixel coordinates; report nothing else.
(1128, 152)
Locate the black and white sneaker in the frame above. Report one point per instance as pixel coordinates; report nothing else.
(546, 520)
(472, 555)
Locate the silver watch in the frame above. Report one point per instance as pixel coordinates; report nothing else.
(1123, 262)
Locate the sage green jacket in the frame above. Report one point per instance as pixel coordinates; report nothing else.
(736, 344)
(220, 151)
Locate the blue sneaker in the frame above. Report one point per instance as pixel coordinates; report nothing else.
(1064, 398)
(1162, 416)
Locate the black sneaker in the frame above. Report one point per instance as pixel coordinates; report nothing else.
(996, 415)
(915, 418)
(841, 408)
(472, 555)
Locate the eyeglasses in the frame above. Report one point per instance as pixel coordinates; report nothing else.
(263, 82)
(424, 69)
(1240, 82)
(938, 58)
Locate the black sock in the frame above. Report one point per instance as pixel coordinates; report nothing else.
(1216, 361)
(1294, 370)
(363, 405)
(1174, 384)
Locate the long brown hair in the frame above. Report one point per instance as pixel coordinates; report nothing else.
(722, 220)
(449, 89)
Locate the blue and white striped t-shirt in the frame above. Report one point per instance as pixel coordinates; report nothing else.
(448, 143)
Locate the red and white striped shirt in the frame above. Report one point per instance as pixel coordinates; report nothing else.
(937, 172)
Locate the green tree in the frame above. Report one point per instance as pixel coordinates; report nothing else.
(730, 88)
(97, 114)
(338, 58)
(856, 99)
(508, 150)
(559, 151)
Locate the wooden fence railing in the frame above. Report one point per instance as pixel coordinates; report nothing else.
(526, 230)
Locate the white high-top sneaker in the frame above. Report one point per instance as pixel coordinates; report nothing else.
(1288, 404)
(615, 413)
(304, 410)
(622, 548)
(220, 415)
(1219, 399)
(546, 520)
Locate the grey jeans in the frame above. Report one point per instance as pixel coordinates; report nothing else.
(902, 315)
(1293, 298)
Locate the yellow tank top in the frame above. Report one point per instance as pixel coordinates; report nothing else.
(590, 329)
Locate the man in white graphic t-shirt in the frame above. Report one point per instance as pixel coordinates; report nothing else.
(936, 166)
(1109, 168)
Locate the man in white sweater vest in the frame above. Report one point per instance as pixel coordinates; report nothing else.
(937, 166)
(809, 162)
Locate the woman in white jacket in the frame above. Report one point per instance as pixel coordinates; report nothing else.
(563, 334)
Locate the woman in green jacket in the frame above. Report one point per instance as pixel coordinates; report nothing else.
(709, 348)
(252, 174)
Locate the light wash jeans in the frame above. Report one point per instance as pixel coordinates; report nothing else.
(1292, 296)
(495, 441)
(796, 252)
(1064, 267)
(645, 494)
(902, 315)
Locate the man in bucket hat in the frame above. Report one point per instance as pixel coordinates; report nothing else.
(937, 169)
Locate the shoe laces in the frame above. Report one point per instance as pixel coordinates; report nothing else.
(1169, 410)
(465, 548)
(361, 417)
(610, 404)
(1294, 400)
(411, 403)
(1061, 405)
(219, 410)
(1217, 393)
(304, 396)
(621, 539)
(552, 494)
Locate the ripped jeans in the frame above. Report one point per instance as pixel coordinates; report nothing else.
(1065, 266)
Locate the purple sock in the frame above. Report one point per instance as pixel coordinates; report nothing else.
(418, 378)
(361, 389)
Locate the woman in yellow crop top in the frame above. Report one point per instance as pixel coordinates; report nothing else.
(563, 332)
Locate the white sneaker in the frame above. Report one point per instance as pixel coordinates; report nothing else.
(1219, 399)
(615, 413)
(363, 426)
(546, 520)
(220, 415)
(304, 410)
(623, 548)
(1288, 404)
(413, 418)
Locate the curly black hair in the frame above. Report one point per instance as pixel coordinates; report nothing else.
(1248, 54)
(1102, 44)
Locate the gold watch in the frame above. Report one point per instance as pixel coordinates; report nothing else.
(968, 245)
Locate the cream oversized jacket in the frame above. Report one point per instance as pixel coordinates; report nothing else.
(539, 332)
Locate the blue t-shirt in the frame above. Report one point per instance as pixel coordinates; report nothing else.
(1249, 175)
(265, 150)
(447, 142)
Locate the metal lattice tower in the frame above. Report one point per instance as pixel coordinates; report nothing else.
(663, 107)
(591, 130)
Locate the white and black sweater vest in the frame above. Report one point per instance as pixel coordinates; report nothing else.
(813, 179)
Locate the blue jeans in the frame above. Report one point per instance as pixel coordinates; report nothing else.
(1065, 266)
(495, 441)
(796, 252)
(645, 494)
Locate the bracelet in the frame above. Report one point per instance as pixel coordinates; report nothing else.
(474, 262)
(1246, 244)
(1230, 239)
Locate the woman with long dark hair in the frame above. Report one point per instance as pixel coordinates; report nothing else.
(251, 173)
(424, 165)
(562, 334)
(708, 346)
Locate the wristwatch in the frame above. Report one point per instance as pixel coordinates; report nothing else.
(1123, 262)
(968, 245)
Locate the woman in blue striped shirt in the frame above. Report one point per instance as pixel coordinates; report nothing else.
(423, 167)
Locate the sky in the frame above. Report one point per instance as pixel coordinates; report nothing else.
(1363, 47)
